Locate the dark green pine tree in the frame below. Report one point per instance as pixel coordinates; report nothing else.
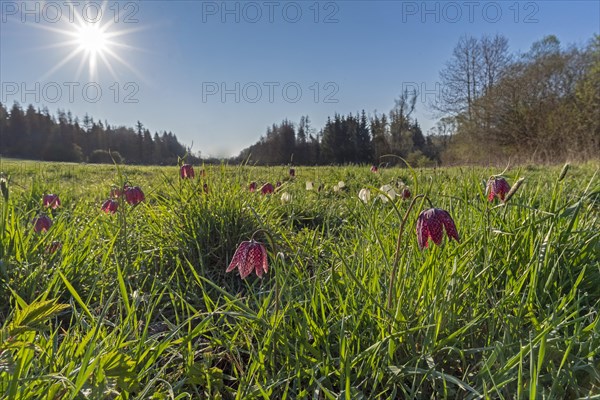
(17, 134)
(363, 140)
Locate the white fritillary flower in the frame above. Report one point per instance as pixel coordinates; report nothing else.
(286, 197)
(389, 190)
(339, 187)
(364, 195)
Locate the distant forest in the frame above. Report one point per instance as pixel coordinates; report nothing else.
(539, 106)
(37, 135)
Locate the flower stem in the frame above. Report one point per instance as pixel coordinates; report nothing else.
(273, 246)
(397, 253)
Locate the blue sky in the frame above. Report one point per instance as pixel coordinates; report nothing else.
(218, 73)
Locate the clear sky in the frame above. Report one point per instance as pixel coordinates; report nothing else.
(218, 73)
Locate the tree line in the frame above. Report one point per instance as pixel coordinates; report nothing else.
(348, 139)
(38, 135)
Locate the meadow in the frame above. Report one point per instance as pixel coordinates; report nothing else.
(136, 304)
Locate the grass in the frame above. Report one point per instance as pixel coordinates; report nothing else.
(137, 305)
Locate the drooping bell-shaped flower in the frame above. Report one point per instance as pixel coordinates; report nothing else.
(4, 186)
(292, 172)
(134, 195)
(250, 256)
(364, 195)
(115, 192)
(405, 193)
(497, 187)
(110, 206)
(341, 185)
(431, 224)
(267, 188)
(286, 197)
(51, 201)
(374, 168)
(41, 223)
(389, 191)
(252, 187)
(186, 171)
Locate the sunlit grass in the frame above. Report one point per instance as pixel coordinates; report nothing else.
(138, 304)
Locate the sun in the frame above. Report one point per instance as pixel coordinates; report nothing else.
(95, 43)
(92, 39)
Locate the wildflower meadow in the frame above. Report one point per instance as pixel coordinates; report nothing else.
(292, 282)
